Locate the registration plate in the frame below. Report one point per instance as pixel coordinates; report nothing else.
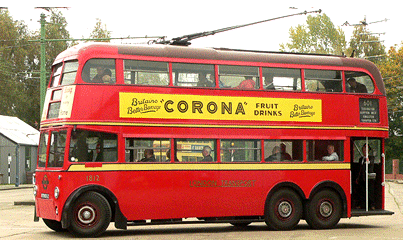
(45, 195)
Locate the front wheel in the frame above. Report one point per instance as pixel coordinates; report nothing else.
(54, 225)
(91, 215)
(324, 210)
(283, 210)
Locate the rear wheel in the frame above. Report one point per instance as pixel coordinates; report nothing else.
(283, 210)
(91, 215)
(324, 210)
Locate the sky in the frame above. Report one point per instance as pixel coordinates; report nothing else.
(176, 18)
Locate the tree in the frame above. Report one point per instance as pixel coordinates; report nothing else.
(12, 35)
(365, 44)
(318, 36)
(19, 64)
(29, 107)
(100, 32)
(392, 72)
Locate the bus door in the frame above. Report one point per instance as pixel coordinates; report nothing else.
(366, 173)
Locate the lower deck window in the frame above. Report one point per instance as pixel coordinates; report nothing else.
(91, 146)
(195, 150)
(240, 151)
(232, 150)
(283, 150)
(325, 150)
(147, 150)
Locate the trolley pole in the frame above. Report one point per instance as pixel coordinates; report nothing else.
(43, 63)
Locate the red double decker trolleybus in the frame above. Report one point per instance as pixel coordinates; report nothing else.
(140, 135)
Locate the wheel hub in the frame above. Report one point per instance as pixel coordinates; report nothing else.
(86, 215)
(284, 209)
(326, 209)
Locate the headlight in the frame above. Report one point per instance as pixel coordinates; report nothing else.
(35, 190)
(57, 192)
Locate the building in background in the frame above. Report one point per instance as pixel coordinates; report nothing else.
(18, 150)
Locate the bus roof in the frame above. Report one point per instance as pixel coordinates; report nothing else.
(223, 54)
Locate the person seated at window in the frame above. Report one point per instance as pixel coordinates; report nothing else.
(332, 154)
(275, 156)
(79, 147)
(204, 82)
(356, 86)
(246, 84)
(206, 154)
(269, 84)
(284, 154)
(104, 75)
(148, 156)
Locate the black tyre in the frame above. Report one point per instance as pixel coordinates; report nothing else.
(324, 210)
(283, 210)
(54, 225)
(91, 215)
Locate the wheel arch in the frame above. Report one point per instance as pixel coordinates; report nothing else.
(332, 186)
(117, 216)
(289, 185)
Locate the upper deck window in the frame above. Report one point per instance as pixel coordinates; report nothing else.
(69, 73)
(239, 77)
(283, 79)
(359, 82)
(146, 73)
(323, 81)
(99, 71)
(57, 72)
(193, 75)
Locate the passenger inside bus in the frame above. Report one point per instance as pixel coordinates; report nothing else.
(332, 154)
(360, 180)
(284, 154)
(248, 83)
(204, 82)
(148, 156)
(356, 86)
(275, 156)
(104, 75)
(79, 147)
(206, 154)
(269, 84)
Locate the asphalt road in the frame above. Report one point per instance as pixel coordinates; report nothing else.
(16, 222)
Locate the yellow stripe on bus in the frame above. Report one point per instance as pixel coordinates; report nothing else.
(208, 166)
(212, 126)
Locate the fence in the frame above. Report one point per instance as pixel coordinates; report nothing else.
(395, 171)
